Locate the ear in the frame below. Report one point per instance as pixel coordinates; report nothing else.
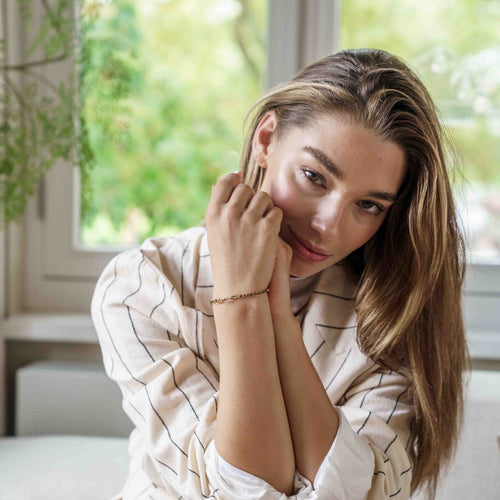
(264, 138)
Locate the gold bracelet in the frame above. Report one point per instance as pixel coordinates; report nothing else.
(232, 298)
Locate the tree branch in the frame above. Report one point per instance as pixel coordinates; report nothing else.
(238, 32)
(33, 64)
(54, 22)
(25, 110)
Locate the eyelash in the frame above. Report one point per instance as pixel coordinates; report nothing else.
(307, 171)
(380, 209)
(321, 179)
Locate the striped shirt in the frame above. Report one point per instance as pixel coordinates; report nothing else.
(157, 334)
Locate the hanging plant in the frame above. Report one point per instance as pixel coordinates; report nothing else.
(39, 124)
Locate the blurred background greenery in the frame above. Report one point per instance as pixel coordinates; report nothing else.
(165, 90)
(166, 85)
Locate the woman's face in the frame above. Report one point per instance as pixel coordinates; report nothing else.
(335, 182)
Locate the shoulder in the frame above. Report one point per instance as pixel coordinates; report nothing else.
(169, 262)
(168, 255)
(163, 254)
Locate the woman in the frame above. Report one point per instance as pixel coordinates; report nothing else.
(309, 340)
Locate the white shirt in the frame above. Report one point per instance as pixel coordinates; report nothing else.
(157, 334)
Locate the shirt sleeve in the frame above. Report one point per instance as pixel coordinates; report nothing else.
(343, 460)
(169, 392)
(367, 460)
(241, 485)
(369, 457)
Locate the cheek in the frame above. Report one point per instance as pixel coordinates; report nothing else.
(363, 234)
(287, 197)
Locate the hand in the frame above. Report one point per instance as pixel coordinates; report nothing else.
(242, 230)
(279, 288)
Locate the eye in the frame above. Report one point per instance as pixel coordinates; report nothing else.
(371, 208)
(313, 176)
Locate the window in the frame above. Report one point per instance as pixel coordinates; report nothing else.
(60, 269)
(460, 68)
(165, 89)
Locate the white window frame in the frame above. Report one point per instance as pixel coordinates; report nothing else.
(59, 275)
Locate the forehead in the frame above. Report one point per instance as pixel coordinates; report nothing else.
(357, 152)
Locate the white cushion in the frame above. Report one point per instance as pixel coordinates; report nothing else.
(62, 467)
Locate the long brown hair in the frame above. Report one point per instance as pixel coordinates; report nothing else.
(412, 270)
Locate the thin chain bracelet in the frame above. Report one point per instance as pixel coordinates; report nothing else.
(232, 298)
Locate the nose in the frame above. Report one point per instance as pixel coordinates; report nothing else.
(329, 219)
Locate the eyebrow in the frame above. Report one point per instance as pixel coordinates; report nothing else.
(337, 172)
(325, 161)
(382, 195)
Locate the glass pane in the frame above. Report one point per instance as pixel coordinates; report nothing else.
(166, 84)
(454, 46)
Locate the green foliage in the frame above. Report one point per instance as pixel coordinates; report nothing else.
(454, 48)
(164, 86)
(165, 90)
(38, 126)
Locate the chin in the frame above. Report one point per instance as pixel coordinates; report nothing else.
(299, 269)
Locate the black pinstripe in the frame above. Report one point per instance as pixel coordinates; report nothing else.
(337, 327)
(199, 441)
(182, 273)
(207, 379)
(355, 380)
(138, 412)
(107, 330)
(396, 404)
(162, 301)
(168, 466)
(137, 336)
(340, 368)
(164, 425)
(317, 349)
(196, 332)
(370, 390)
(364, 423)
(333, 295)
(389, 445)
(178, 387)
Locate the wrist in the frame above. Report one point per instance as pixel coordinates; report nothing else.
(223, 289)
(238, 296)
(240, 308)
(282, 315)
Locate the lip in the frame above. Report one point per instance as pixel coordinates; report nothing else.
(305, 251)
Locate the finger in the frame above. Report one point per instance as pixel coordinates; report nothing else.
(274, 216)
(224, 187)
(241, 197)
(260, 204)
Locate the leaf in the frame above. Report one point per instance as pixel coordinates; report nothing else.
(53, 46)
(6, 166)
(44, 29)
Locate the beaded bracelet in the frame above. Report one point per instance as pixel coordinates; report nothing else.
(232, 298)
